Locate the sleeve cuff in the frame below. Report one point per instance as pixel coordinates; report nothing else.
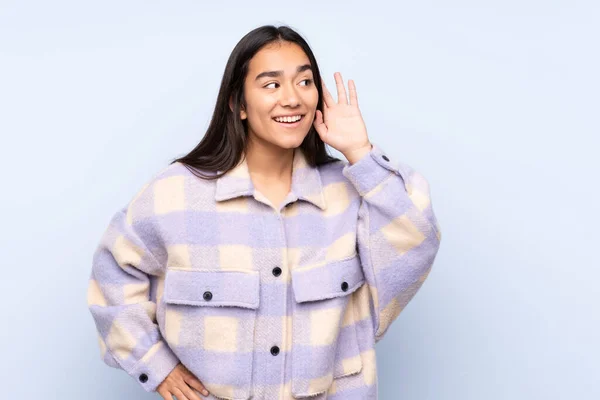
(368, 172)
(155, 366)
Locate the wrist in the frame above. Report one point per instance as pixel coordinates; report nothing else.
(355, 155)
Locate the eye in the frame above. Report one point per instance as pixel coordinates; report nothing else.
(308, 81)
(269, 84)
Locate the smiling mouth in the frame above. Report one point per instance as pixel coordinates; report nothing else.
(289, 121)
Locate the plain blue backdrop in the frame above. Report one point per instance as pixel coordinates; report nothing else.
(495, 102)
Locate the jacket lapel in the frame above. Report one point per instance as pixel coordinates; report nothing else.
(306, 182)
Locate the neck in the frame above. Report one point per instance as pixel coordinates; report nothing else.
(269, 162)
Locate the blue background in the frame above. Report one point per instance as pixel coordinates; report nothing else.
(495, 102)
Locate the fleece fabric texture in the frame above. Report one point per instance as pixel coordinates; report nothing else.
(263, 301)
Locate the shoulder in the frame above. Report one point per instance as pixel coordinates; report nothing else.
(174, 175)
(175, 170)
(332, 175)
(167, 190)
(332, 168)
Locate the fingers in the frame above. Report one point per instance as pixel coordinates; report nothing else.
(195, 384)
(165, 394)
(180, 396)
(353, 94)
(181, 392)
(190, 379)
(319, 124)
(341, 89)
(327, 98)
(181, 384)
(189, 393)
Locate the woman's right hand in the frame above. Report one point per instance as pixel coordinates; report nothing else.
(179, 383)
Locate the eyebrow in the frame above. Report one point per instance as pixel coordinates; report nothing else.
(274, 74)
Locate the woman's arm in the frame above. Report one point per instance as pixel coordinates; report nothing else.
(398, 234)
(120, 303)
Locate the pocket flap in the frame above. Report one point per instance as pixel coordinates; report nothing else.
(212, 288)
(334, 279)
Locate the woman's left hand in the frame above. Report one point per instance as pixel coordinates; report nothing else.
(341, 125)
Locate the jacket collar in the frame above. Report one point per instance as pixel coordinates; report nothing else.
(306, 182)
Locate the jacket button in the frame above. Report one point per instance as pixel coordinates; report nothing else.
(207, 296)
(274, 350)
(344, 286)
(385, 158)
(143, 378)
(276, 271)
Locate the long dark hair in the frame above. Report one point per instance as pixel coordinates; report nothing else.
(224, 143)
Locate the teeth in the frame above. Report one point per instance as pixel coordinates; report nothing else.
(288, 119)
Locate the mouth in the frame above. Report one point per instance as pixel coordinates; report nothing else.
(290, 122)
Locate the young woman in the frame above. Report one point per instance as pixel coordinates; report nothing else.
(257, 266)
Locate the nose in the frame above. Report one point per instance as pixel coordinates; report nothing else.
(289, 96)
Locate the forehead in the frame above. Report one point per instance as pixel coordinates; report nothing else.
(278, 56)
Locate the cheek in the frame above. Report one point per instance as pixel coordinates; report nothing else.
(313, 99)
(259, 116)
(261, 108)
(257, 109)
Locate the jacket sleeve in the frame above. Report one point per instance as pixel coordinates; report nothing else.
(119, 299)
(398, 235)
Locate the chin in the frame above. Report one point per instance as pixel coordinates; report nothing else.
(290, 142)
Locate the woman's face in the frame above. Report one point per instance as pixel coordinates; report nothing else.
(280, 88)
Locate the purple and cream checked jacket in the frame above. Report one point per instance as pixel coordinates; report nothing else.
(260, 302)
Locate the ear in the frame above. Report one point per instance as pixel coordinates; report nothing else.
(243, 114)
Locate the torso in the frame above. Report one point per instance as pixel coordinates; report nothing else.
(230, 248)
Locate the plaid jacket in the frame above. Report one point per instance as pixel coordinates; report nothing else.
(260, 302)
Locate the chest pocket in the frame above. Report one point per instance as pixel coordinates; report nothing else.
(325, 344)
(209, 325)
